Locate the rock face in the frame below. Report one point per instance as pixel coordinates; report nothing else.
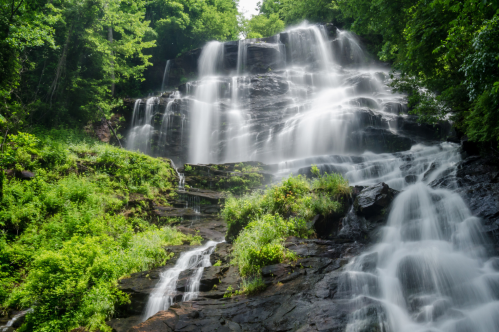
(371, 201)
(236, 178)
(299, 296)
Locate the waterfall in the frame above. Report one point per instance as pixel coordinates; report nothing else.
(139, 137)
(429, 272)
(165, 292)
(165, 76)
(329, 105)
(242, 54)
(205, 116)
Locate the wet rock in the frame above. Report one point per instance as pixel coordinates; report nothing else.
(477, 181)
(373, 200)
(268, 85)
(221, 253)
(379, 140)
(411, 178)
(299, 296)
(354, 227)
(469, 148)
(264, 57)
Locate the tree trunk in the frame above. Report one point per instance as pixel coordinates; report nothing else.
(60, 65)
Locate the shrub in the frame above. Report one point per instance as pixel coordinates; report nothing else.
(332, 184)
(238, 212)
(284, 199)
(252, 285)
(259, 222)
(260, 243)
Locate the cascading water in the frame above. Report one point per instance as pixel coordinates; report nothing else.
(204, 113)
(140, 135)
(429, 272)
(165, 292)
(165, 76)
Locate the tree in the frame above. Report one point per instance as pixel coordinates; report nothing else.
(262, 26)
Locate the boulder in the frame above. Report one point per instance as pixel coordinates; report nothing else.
(354, 227)
(380, 140)
(25, 175)
(373, 200)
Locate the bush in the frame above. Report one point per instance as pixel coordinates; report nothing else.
(260, 243)
(294, 196)
(332, 184)
(259, 222)
(238, 212)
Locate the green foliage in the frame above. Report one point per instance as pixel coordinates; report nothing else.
(239, 184)
(263, 26)
(294, 196)
(260, 243)
(446, 52)
(218, 263)
(259, 222)
(238, 212)
(295, 11)
(332, 184)
(253, 285)
(67, 235)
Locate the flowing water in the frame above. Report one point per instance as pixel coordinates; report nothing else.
(325, 102)
(165, 293)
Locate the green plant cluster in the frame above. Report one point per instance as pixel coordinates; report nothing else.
(67, 234)
(249, 286)
(294, 196)
(259, 222)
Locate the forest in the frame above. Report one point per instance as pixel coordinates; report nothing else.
(78, 215)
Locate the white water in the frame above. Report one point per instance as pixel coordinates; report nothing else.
(430, 270)
(164, 295)
(164, 83)
(204, 113)
(140, 135)
(329, 87)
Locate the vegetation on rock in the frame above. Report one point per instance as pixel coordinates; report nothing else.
(259, 222)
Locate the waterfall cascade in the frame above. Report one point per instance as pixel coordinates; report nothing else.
(318, 99)
(166, 290)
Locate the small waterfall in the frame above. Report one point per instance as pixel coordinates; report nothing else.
(164, 84)
(166, 122)
(181, 177)
(139, 137)
(242, 54)
(165, 293)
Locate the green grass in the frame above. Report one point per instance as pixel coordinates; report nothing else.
(70, 233)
